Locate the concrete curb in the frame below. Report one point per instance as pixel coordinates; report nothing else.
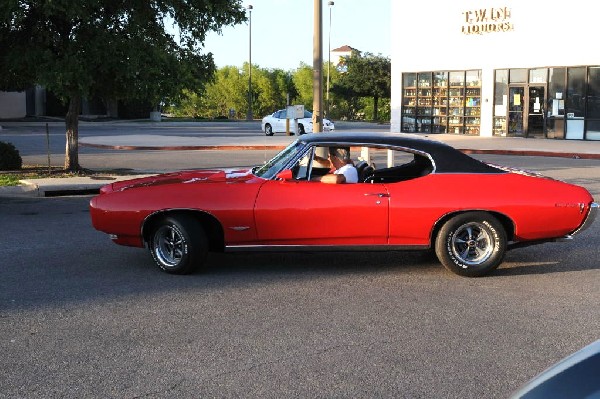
(23, 190)
(54, 187)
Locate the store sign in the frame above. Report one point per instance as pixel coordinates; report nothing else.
(487, 20)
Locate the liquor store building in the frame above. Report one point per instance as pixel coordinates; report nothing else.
(496, 68)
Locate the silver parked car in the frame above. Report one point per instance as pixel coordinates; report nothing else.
(275, 123)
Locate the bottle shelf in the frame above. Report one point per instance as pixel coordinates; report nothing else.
(448, 102)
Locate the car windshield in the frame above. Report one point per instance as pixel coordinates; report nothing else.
(275, 165)
(307, 114)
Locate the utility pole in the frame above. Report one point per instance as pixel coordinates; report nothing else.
(249, 115)
(317, 117)
(330, 4)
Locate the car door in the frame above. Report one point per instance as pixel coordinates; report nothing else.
(415, 206)
(279, 124)
(295, 212)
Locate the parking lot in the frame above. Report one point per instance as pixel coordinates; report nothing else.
(82, 317)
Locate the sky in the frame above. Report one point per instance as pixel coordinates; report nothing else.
(282, 32)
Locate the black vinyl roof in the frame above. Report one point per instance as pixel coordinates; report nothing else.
(447, 159)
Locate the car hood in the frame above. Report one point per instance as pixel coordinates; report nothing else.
(183, 177)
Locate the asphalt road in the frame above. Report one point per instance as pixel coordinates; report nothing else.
(82, 317)
(33, 143)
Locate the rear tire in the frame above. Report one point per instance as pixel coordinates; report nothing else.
(178, 245)
(268, 130)
(301, 130)
(471, 244)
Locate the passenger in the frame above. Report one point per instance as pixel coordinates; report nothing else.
(343, 167)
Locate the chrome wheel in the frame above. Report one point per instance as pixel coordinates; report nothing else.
(178, 244)
(169, 245)
(472, 244)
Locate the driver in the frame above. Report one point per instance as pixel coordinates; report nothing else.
(342, 166)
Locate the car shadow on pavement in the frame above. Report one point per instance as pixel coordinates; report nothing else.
(294, 263)
(547, 259)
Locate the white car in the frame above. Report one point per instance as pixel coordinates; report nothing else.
(275, 123)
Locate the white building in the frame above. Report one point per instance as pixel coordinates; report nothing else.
(496, 67)
(338, 54)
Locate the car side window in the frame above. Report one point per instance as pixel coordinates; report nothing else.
(401, 166)
(373, 165)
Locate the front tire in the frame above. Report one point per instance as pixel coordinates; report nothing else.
(178, 245)
(268, 130)
(301, 130)
(471, 244)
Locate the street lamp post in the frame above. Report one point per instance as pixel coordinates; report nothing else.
(330, 4)
(249, 115)
(317, 117)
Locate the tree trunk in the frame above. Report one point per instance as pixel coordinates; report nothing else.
(375, 104)
(72, 122)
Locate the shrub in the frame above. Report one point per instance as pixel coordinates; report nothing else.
(10, 159)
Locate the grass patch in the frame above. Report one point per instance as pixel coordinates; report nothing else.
(9, 180)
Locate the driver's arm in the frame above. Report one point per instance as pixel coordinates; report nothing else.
(332, 178)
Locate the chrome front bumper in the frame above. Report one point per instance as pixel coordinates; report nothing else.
(591, 216)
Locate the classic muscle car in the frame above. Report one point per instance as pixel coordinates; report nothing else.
(412, 193)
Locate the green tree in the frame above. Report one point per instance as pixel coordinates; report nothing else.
(303, 81)
(229, 91)
(109, 48)
(366, 76)
(270, 89)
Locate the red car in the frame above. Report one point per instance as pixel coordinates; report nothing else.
(412, 193)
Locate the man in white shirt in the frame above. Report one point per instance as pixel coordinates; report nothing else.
(344, 172)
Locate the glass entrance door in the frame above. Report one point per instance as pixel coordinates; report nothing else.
(516, 99)
(535, 115)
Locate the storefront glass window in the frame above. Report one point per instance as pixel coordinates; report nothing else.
(409, 101)
(518, 76)
(440, 79)
(500, 101)
(441, 102)
(593, 130)
(593, 93)
(424, 102)
(409, 79)
(556, 91)
(538, 75)
(555, 124)
(457, 78)
(593, 104)
(474, 78)
(575, 102)
(500, 91)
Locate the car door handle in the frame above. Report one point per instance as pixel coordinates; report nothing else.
(380, 195)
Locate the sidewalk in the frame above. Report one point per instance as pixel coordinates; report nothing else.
(469, 144)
